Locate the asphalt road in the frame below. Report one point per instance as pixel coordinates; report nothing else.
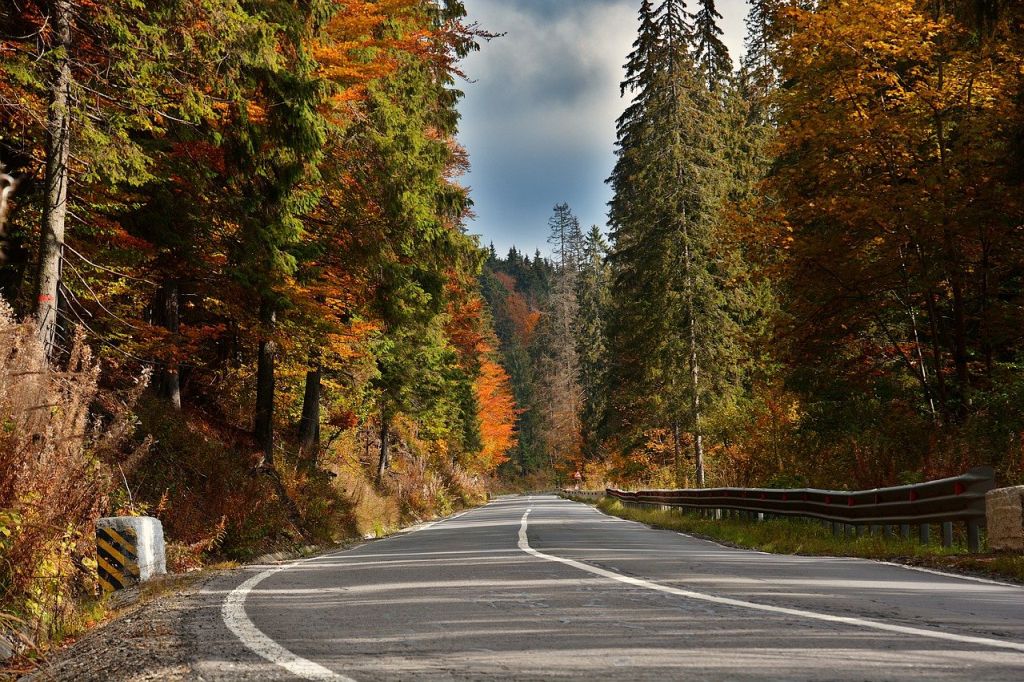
(563, 592)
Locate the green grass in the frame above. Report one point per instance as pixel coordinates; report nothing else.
(798, 536)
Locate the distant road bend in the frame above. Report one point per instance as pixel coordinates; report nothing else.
(538, 588)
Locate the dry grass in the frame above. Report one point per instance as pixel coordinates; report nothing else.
(57, 468)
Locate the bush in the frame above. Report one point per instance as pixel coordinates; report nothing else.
(201, 479)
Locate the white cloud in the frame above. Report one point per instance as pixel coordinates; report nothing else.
(539, 120)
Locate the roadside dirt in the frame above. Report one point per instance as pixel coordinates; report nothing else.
(147, 640)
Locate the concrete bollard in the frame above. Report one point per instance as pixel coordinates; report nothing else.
(1004, 511)
(129, 549)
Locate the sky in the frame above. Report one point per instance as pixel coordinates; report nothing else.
(540, 109)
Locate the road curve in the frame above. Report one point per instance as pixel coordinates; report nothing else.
(541, 588)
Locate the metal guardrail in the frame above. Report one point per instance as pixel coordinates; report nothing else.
(582, 494)
(960, 499)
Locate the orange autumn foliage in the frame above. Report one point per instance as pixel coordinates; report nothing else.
(497, 413)
(355, 48)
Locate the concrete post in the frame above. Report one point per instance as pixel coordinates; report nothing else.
(1004, 511)
(129, 549)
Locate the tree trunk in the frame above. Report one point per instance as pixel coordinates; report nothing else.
(309, 426)
(385, 428)
(691, 321)
(58, 152)
(954, 267)
(264, 424)
(986, 273)
(960, 354)
(922, 366)
(8, 184)
(698, 428)
(169, 317)
(677, 454)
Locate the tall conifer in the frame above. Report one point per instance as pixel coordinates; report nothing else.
(591, 343)
(711, 54)
(669, 317)
(758, 61)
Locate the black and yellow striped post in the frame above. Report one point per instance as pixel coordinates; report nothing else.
(117, 558)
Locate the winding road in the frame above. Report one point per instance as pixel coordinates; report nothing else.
(539, 588)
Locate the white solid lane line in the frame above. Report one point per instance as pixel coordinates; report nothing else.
(252, 637)
(524, 544)
(236, 619)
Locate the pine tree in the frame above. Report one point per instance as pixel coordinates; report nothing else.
(407, 137)
(276, 155)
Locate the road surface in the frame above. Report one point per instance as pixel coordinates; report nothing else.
(539, 588)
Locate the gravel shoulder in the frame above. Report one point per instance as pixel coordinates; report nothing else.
(148, 639)
(170, 629)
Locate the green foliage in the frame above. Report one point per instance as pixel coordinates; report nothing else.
(516, 288)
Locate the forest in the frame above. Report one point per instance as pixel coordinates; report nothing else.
(813, 274)
(239, 292)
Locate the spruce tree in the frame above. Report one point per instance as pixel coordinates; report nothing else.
(276, 156)
(558, 362)
(758, 68)
(407, 137)
(566, 238)
(591, 344)
(670, 324)
(711, 54)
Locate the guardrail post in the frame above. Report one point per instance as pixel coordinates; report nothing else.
(905, 531)
(835, 529)
(924, 533)
(947, 534)
(973, 536)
